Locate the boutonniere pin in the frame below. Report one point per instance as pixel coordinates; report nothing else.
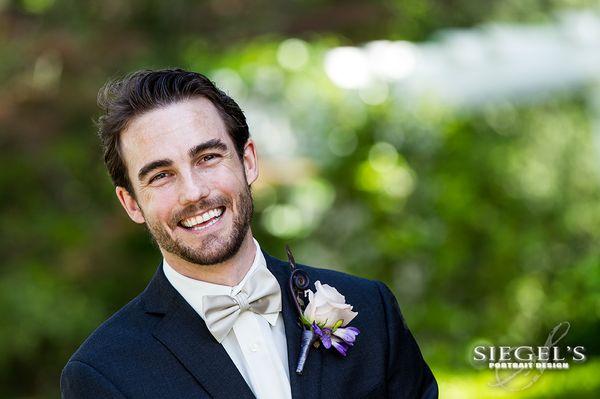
(325, 317)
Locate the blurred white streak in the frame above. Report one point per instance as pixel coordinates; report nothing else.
(348, 67)
(391, 60)
(475, 67)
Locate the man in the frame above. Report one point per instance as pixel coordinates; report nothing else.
(218, 320)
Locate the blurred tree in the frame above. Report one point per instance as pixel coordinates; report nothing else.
(484, 223)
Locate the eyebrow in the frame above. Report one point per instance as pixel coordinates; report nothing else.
(213, 144)
(149, 167)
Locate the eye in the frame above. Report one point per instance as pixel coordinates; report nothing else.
(159, 176)
(209, 157)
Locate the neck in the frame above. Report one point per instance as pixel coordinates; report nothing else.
(229, 273)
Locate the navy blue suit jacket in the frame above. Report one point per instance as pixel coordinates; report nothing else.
(158, 347)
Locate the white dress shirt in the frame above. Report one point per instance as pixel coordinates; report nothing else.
(256, 344)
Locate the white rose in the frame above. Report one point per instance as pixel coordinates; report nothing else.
(327, 306)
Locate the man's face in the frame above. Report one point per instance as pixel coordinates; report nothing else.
(192, 188)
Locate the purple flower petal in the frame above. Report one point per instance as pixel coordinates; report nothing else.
(316, 329)
(323, 335)
(326, 339)
(340, 346)
(348, 334)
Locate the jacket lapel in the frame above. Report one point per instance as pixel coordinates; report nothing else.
(184, 334)
(307, 385)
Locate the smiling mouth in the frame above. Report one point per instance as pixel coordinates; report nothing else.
(202, 221)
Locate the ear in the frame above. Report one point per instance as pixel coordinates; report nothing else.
(250, 161)
(130, 205)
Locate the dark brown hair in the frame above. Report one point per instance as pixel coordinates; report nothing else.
(142, 91)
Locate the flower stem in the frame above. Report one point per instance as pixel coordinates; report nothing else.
(308, 337)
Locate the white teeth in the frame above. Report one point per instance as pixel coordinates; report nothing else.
(194, 220)
(198, 228)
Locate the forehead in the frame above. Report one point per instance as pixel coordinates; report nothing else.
(169, 132)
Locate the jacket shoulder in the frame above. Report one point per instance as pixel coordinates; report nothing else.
(329, 275)
(345, 283)
(360, 292)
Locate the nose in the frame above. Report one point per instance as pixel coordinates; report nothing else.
(192, 189)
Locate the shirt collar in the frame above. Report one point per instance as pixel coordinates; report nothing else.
(194, 290)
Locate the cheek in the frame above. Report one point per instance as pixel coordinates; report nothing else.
(233, 177)
(159, 204)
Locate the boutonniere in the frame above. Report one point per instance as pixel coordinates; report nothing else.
(324, 318)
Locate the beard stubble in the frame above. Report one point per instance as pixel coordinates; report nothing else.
(213, 249)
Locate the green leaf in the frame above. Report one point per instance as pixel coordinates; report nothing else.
(305, 321)
(337, 325)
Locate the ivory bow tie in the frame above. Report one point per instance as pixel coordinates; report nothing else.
(260, 294)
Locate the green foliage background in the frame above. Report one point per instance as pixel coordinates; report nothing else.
(484, 223)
